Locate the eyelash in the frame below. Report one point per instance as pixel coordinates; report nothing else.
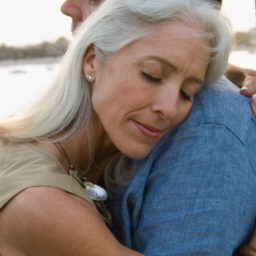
(151, 78)
(158, 80)
(185, 96)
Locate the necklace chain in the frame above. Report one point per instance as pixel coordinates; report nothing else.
(79, 176)
(62, 151)
(77, 173)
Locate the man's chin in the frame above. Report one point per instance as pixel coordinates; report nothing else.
(74, 26)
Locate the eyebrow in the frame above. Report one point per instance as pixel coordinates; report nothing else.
(197, 80)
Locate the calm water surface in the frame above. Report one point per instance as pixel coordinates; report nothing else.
(22, 84)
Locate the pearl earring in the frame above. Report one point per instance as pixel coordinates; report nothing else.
(89, 77)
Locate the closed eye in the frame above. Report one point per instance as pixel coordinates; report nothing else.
(185, 96)
(158, 80)
(151, 78)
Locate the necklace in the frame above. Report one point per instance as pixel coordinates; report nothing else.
(96, 193)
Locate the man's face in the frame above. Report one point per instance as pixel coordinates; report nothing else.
(79, 10)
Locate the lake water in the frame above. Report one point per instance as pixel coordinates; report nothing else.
(20, 84)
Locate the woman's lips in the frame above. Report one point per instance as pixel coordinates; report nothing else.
(147, 130)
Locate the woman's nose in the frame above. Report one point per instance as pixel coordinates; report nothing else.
(166, 102)
(72, 9)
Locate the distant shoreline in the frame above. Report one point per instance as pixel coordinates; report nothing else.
(29, 61)
(54, 60)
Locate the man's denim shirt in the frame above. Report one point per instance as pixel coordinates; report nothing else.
(195, 194)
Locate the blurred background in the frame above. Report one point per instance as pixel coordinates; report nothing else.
(34, 35)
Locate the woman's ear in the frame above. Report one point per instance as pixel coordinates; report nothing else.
(90, 64)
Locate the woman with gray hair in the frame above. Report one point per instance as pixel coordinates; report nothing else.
(128, 78)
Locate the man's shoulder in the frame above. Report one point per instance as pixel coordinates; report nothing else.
(193, 181)
(220, 104)
(220, 121)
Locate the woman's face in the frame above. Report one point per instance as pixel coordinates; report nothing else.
(147, 87)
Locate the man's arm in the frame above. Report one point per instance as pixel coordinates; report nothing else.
(244, 79)
(240, 76)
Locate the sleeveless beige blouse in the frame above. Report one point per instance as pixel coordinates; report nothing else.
(27, 165)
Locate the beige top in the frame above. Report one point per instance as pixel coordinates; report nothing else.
(27, 165)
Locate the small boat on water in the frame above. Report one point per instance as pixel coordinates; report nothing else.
(17, 71)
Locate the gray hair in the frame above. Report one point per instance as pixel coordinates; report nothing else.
(66, 105)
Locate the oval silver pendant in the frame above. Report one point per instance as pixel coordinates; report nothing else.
(96, 192)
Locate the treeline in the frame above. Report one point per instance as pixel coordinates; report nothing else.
(44, 49)
(58, 48)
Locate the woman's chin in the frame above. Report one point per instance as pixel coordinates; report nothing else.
(137, 154)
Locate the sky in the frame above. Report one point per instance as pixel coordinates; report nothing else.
(27, 22)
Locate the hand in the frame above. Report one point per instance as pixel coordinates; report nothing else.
(246, 80)
(252, 242)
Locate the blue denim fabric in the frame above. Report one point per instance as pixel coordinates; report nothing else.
(195, 194)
